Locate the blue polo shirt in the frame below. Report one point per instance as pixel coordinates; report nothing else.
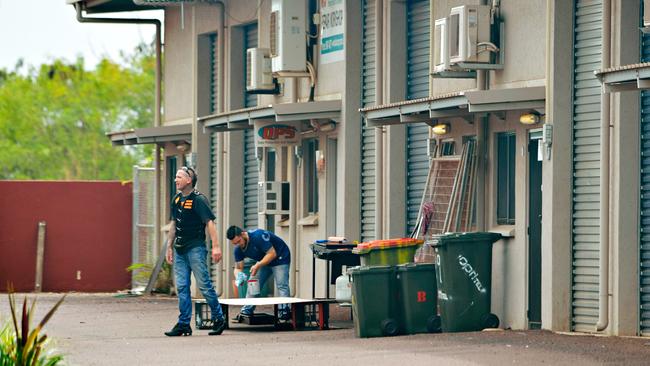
(259, 242)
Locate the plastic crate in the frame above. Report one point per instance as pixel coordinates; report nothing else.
(202, 314)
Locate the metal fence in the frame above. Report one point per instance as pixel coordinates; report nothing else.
(144, 238)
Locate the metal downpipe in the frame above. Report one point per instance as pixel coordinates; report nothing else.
(158, 98)
(603, 271)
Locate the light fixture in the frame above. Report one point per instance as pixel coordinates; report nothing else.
(529, 119)
(441, 129)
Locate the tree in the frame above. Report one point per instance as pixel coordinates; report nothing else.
(54, 118)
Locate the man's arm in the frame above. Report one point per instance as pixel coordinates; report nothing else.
(268, 258)
(170, 240)
(239, 266)
(216, 249)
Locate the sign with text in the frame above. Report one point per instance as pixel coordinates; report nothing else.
(274, 134)
(332, 29)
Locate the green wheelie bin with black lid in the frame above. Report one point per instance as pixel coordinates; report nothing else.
(418, 296)
(464, 276)
(374, 301)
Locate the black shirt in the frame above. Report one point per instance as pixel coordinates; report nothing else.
(191, 214)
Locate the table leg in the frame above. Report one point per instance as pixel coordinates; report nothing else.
(313, 276)
(327, 279)
(224, 310)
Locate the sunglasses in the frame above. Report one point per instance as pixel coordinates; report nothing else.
(189, 171)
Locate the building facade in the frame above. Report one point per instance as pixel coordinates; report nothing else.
(535, 84)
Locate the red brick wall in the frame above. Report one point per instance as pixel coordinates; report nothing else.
(87, 240)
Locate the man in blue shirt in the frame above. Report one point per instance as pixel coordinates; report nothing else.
(272, 256)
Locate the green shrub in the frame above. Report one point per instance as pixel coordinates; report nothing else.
(22, 346)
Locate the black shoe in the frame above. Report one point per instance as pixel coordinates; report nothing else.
(218, 326)
(180, 330)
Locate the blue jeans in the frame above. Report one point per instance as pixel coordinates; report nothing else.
(281, 277)
(194, 260)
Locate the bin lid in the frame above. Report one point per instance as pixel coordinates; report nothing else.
(460, 238)
(369, 269)
(408, 267)
(363, 248)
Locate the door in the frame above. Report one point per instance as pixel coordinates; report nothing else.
(417, 86)
(586, 171)
(368, 76)
(534, 231)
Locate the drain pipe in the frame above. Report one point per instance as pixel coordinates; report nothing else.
(220, 145)
(157, 114)
(293, 206)
(379, 131)
(603, 272)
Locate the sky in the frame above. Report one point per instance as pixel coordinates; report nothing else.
(39, 31)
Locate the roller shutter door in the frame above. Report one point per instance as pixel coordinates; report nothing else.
(368, 78)
(586, 171)
(417, 161)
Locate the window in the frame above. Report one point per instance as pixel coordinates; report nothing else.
(310, 147)
(447, 147)
(506, 152)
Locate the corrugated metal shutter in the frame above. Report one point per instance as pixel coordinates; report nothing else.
(586, 150)
(644, 315)
(417, 161)
(251, 178)
(251, 171)
(368, 78)
(250, 41)
(214, 150)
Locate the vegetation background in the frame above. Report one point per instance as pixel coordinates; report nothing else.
(54, 117)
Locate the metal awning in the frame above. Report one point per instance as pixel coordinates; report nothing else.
(626, 77)
(458, 104)
(243, 118)
(152, 135)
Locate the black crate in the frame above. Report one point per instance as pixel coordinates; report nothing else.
(202, 314)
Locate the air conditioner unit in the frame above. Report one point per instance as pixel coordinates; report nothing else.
(273, 198)
(468, 28)
(441, 46)
(258, 70)
(288, 36)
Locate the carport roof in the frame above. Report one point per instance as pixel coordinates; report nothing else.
(457, 104)
(626, 77)
(241, 119)
(152, 135)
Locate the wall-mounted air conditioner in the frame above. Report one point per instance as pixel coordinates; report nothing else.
(441, 46)
(468, 28)
(288, 36)
(273, 198)
(258, 70)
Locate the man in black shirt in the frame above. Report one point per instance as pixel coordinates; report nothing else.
(191, 214)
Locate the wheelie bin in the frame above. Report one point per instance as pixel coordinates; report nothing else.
(463, 271)
(374, 301)
(418, 298)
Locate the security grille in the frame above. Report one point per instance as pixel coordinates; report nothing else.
(586, 157)
(144, 249)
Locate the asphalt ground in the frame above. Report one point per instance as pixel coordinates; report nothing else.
(111, 329)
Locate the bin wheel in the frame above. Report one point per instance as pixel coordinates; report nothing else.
(434, 324)
(389, 327)
(490, 321)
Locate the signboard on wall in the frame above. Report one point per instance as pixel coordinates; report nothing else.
(332, 29)
(276, 134)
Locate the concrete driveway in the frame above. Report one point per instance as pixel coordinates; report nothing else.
(103, 329)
